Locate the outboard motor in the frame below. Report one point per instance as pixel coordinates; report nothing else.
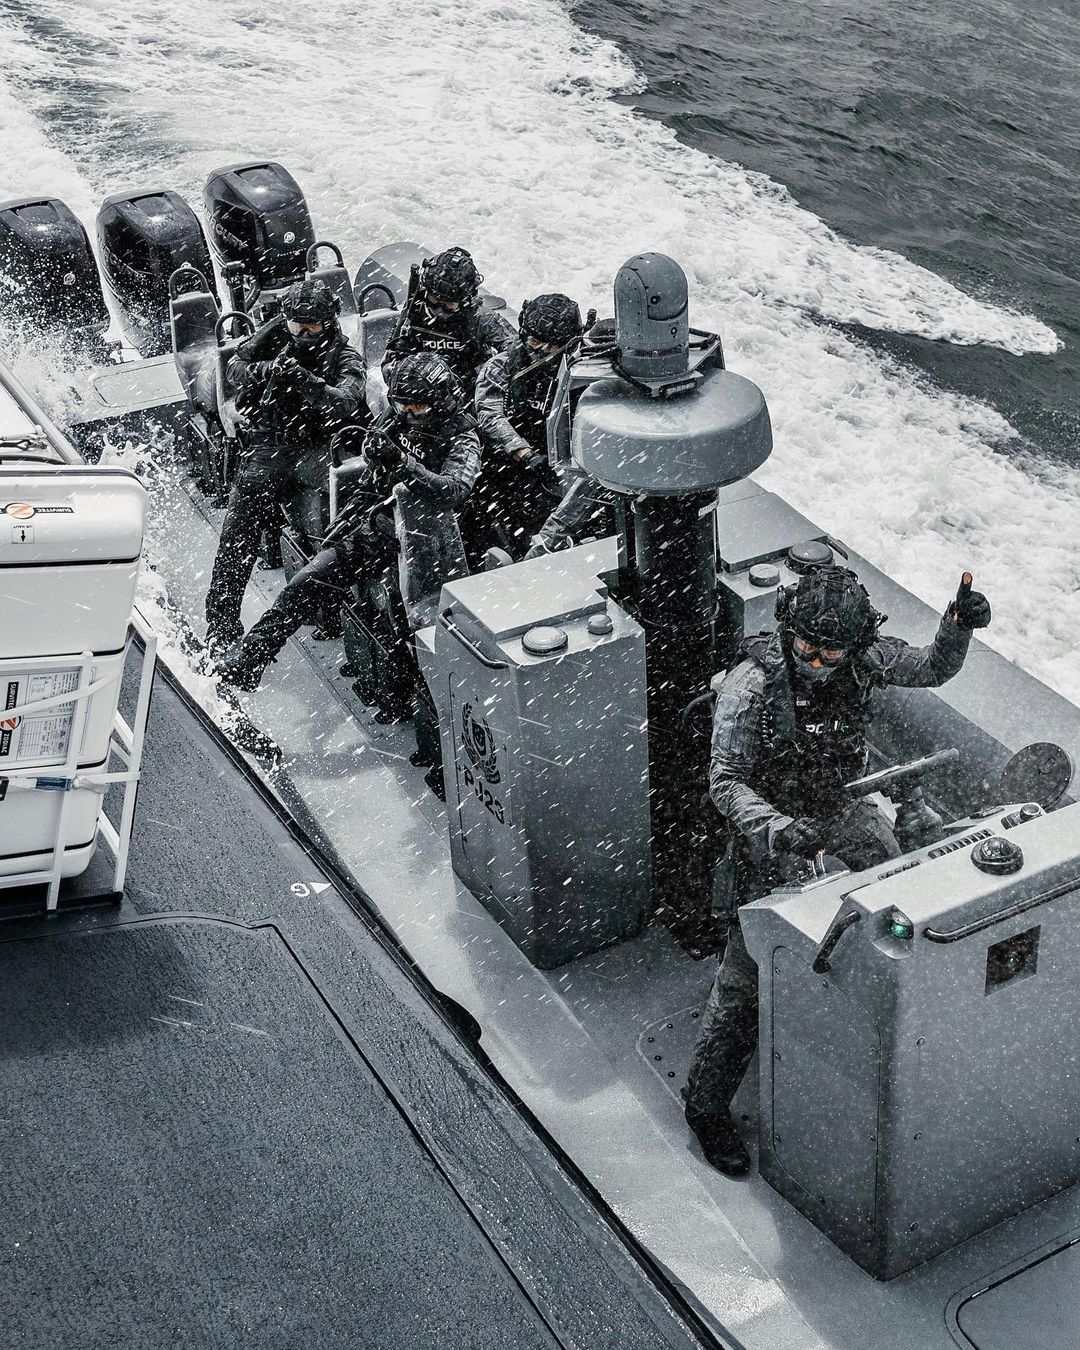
(261, 231)
(48, 276)
(143, 238)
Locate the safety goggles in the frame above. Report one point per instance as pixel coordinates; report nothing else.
(440, 302)
(298, 326)
(810, 652)
(416, 409)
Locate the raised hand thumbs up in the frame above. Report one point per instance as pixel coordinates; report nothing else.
(970, 609)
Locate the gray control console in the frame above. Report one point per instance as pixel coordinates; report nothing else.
(539, 681)
(920, 1069)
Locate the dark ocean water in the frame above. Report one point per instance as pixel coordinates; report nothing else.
(948, 132)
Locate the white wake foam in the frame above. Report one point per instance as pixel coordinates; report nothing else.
(491, 124)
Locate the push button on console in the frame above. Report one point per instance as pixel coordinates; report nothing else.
(544, 641)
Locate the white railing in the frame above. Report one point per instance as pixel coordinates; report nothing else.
(125, 744)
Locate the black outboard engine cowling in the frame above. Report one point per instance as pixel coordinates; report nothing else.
(259, 219)
(48, 276)
(143, 238)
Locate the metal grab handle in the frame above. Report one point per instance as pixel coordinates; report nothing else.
(227, 317)
(375, 286)
(186, 269)
(311, 258)
(836, 931)
(1000, 915)
(471, 647)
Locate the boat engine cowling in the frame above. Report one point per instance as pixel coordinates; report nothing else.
(143, 238)
(48, 276)
(259, 221)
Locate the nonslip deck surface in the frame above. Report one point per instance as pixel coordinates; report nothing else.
(196, 1154)
(230, 1115)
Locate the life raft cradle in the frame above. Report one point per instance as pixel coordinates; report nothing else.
(125, 743)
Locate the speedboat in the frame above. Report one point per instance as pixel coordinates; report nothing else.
(914, 1110)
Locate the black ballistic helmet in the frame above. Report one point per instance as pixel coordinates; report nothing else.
(451, 275)
(310, 302)
(426, 379)
(830, 605)
(550, 318)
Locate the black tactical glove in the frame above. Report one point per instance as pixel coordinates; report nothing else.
(803, 837)
(305, 381)
(533, 463)
(377, 533)
(970, 609)
(380, 449)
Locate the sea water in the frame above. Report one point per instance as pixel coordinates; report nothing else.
(511, 129)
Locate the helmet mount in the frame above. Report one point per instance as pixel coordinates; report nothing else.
(450, 275)
(830, 606)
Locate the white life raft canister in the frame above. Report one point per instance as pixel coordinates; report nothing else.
(70, 540)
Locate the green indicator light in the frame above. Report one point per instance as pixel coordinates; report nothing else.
(900, 926)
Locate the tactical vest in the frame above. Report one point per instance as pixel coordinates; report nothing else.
(802, 769)
(527, 399)
(453, 337)
(430, 448)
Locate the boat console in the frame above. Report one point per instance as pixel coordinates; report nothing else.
(919, 1073)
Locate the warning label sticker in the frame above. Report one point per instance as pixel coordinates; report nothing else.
(42, 737)
(27, 510)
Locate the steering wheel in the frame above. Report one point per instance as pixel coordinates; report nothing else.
(900, 774)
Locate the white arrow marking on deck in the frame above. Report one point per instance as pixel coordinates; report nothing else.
(319, 886)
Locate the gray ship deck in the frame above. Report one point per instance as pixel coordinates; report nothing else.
(233, 1115)
(574, 1044)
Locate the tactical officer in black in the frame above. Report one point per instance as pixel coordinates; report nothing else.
(298, 381)
(426, 441)
(443, 315)
(788, 733)
(514, 393)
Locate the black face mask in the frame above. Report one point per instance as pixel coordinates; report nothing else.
(533, 355)
(418, 421)
(809, 674)
(310, 344)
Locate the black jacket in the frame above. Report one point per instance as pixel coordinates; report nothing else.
(440, 463)
(299, 402)
(513, 397)
(779, 751)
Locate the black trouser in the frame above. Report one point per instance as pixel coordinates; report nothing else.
(860, 837)
(329, 576)
(267, 477)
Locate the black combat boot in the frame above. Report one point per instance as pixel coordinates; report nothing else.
(243, 664)
(720, 1143)
(221, 637)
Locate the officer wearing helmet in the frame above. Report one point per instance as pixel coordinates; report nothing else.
(788, 733)
(513, 398)
(443, 315)
(427, 441)
(297, 381)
